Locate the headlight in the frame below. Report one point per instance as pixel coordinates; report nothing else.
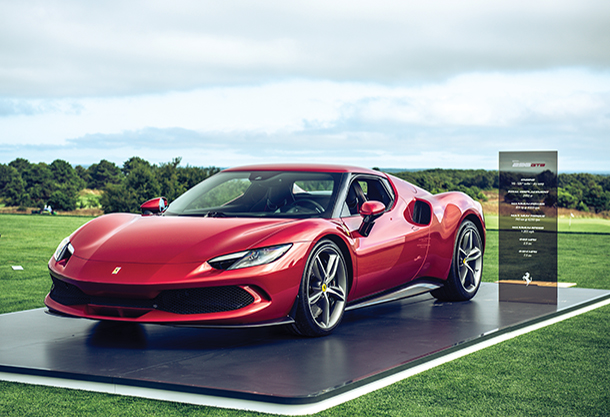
(64, 250)
(249, 258)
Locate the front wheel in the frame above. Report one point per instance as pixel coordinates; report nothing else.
(323, 291)
(466, 266)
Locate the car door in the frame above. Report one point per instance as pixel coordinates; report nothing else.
(395, 249)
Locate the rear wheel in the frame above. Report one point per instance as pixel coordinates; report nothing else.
(466, 266)
(323, 291)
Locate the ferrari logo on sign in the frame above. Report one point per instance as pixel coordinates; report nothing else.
(116, 270)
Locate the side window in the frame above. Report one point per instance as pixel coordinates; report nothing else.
(366, 189)
(364, 186)
(378, 191)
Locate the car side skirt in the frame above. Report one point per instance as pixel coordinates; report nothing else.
(421, 286)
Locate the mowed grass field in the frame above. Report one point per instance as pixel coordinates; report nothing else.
(563, 369)
(583, 252)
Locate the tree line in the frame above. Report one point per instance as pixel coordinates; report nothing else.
(58, 184)
(584, 192)
(469, 181)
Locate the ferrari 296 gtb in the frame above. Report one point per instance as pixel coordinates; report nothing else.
(263, 245)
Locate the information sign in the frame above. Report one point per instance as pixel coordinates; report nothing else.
(528, 227)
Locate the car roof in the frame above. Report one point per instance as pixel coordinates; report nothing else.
(305, 168)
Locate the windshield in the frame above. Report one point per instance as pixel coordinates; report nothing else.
(260, 194)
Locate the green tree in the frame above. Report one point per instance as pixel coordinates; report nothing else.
(39, 183)
(139, 183)
(605, 182)
(20, 164)
(65, 174)
(597, 198)
(67, 186)
(565, 199)
(169, 180)
(141, 179)
(103, 173)
(5, 172)
(63, 200)
(117, 198)
(83, 174)
(13, 189)
(134, 162)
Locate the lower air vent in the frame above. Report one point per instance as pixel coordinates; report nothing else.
(67, 294)
(205, 300)
(186, 301)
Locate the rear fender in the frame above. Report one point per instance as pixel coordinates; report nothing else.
(450, 210)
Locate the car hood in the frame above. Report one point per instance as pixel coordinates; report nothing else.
(163, 240)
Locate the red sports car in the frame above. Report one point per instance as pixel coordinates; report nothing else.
(271, 244)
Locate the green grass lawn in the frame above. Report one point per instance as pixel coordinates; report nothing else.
(560, 370)
(29, 241)
(582, 251)
(582, 259)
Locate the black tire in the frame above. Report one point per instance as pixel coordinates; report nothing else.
(464, 277)
(323, 291)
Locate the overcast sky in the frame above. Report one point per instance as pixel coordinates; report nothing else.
(400, 84)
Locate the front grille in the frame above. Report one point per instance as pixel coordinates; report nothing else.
(186, 301)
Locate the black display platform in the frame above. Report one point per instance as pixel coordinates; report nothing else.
(266, 364)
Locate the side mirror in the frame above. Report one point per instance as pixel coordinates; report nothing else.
(154, 206)
(370, 211)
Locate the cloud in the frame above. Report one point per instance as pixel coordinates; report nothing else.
(23, 107)
(556, 97)
(15, 107)
(350, 140)
(71, 48)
